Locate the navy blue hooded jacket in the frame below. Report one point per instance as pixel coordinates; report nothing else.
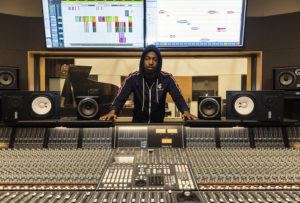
(145, 111)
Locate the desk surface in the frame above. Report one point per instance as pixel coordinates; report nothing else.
(73, 122)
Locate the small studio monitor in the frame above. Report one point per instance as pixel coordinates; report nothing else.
(88, 107)
(29, 105)
(255, 105)
(9, 78)
(286, 78)
(209, 107)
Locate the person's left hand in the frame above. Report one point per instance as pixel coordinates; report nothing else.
(188, 116)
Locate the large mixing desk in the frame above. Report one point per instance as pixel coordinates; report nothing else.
(175, 161)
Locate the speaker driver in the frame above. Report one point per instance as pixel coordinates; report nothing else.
(244, 105)
(286, 78)
(6, 79)
(209, 107)
(88, 108)
(41, 105)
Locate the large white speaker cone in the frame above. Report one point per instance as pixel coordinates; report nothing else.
(41, 105)
(244, 105)
(6, 78)
(88, 108)
(287, 78)
(209, 107)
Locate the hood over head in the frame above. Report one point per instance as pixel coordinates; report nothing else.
(146, 50)
(158, 69)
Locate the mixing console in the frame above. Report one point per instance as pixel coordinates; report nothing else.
(40, 167)
(154, 156)
(63, 138)
(250, 196)
(150, 164)
(153, 169)
(29, 138)
(92, 197)
(97, 138)
(245, 166)
(133, 136)
(149, 197)
(158, 169)
(268, 137)
(149, 137)
(200, 137)
(234, 137)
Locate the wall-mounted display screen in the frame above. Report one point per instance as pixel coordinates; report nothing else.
(121, 23)
(94, 24)
(195, 23)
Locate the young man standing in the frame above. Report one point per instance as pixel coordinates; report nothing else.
(150, 86)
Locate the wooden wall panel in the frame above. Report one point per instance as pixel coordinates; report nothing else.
(185, 85)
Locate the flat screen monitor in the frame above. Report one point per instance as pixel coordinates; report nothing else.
(94, 24)
(195, 23)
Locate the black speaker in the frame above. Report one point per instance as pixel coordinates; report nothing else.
(209, 107)
(9, 78)
(88, 107)
(292, 105)
(286, 78)
(29, 105)
(255, 105)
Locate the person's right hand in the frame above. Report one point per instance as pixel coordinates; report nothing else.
(110, 115)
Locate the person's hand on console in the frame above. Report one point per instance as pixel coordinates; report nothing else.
(110, 116)
(188, 116)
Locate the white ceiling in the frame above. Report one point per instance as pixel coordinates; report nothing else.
(256, 8)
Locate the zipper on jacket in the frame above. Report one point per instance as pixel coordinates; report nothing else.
(149, 100)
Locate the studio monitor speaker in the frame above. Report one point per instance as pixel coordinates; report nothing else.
(29, 105)
(88, 107)
(286, 78)
(255, 105)
(9, 78)
(292, 105)
(209, 107)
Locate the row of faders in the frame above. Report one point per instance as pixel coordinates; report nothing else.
(237, 137)
(35, 168)
(63, 138)
(97, 138)
(92, 197)
(268, 137)
(200, 137)
(149, 197)
(29, 138)
(245, 166)
(131, 197)
(250, 196)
